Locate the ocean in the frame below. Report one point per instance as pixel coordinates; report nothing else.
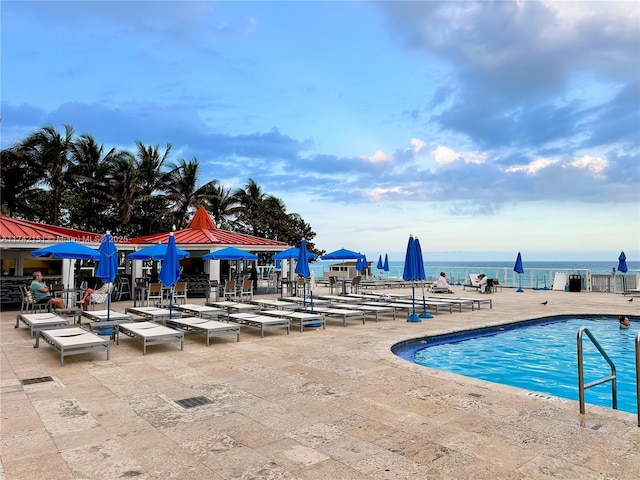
(537, 274)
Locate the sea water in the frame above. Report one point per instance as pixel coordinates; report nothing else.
(538, 274)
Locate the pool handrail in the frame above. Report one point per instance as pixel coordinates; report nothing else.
(581, 385)
(638, 375)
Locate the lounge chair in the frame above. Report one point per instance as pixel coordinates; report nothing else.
(154, 314)
(262, 322)
(39, 321)
(73, 341)
(151, 333)
(344, 313)
(210, 328)
(474, 282)
(305, 319)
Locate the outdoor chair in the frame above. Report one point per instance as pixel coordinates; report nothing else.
(28, 302)
(332, 283)
(154, 293)
(99, 298)
(355, 284)
(230, 289)
(247, 289)
(180, 293)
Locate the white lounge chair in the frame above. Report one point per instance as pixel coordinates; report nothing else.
(151, 333)
(210, 328)
(73, 341)
(38, 321)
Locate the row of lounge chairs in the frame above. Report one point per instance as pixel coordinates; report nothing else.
(154, 326)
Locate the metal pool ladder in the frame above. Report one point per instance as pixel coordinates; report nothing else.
(612, 378)
(638, 374)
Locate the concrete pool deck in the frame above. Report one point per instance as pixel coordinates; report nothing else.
(322, 404)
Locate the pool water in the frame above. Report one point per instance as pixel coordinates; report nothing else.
(539, 356)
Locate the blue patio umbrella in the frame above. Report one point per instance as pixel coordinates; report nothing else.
(362, 264)
(423, 276)
(156, 252)
(107, 264)
(342, 254)
(380, 265)
(293, 252)
(230, 253)
(622, 267)
(519, 270)
(68, 250)
(302, 268)
(411, 273)
(622, 263)
(385, 266)
(170, 271)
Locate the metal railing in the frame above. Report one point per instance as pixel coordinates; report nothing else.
(638, 375)
(612, 378)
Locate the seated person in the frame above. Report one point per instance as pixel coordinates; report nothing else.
(482, 281)
(441, 284)
(624, 322)
(97, 296)
(41, 293)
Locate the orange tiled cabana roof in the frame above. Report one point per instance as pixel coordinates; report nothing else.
(16, 230)
(201, 230)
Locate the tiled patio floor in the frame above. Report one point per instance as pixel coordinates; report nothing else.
(323, 404)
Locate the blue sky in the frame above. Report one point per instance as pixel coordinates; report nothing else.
(483, 128)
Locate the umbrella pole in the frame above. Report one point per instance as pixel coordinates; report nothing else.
(413, 317)
(424, 313)
(170, 302)
(519, 290)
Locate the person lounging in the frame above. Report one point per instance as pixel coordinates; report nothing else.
(482, 282)
(97, 296)
(441, 284)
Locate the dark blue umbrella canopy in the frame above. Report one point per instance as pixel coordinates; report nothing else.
(362, 263)
(70, 250)
(302, 265)
(293, 252)
(421, 273)
(518, 266)
(156, 252)
(385, 267)
(107, 264)
(342, 254)
(170, 271)
(411, 272)
(230, 253)
(622, 263)
(380, 265)
(108, 260)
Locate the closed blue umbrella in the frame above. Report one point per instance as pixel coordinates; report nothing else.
(156, 252)
(622, 263)
(385, 266)
(411, 273)
(302, 268)
(380, 265)
(622, 267)
(361, 263)
(107, 264)
(170, 271)
(518, 268)
(423, 276)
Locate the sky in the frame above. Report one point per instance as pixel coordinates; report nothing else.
(482, 128)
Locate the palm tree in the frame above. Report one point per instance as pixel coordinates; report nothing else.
(90, 204)
(181, 188)
(50, 151)
(19, 180)
(220, 205)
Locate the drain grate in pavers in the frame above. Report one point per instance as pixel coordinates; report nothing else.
(31, 381)
(193, 402)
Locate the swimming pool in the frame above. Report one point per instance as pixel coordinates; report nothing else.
(538, 355)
